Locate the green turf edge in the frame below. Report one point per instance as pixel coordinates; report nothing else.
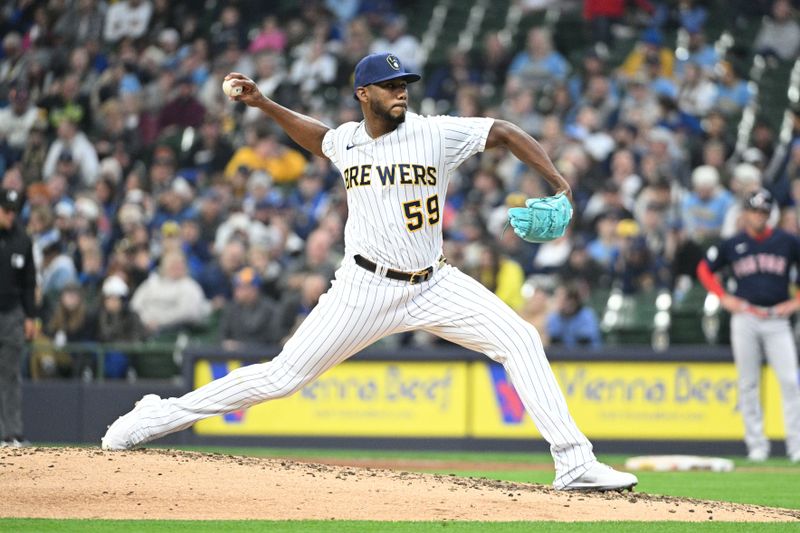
(352, 526)
(772, 489)
(487, 456)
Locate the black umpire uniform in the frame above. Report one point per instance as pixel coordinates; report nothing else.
(17, 308)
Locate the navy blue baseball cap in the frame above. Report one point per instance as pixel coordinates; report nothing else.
(10, 200)
(760, 200)
(383, 66)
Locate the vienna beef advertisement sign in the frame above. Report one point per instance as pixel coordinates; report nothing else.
(609, 400)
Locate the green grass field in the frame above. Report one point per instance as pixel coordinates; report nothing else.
(775, 483)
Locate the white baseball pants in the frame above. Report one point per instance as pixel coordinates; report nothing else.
(749, 335)
(362, 307)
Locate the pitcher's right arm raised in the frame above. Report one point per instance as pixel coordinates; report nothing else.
(304, 130)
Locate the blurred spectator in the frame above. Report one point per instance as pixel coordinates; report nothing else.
(57, 268)
(599, 94)
(539, 64)
(127, 18)
(762, 143)
(658, 83)
(521, 103)
(198, 252)
(64, 102)
(209, 215)
(654, 223)
(259, 190)
(396, 39)
(270, 77)
(639, 106)
(635, 269)
(444, 82)
(34, 153)
(314, 69)
(117, 323)
(357, 42)
(623, 173)
(696, 93)
(715, 130)
(72, 321)
(317, 260)
(182, 111)
(117, 135)
(81, 23)
(493, 63)
(174, 204)
(649, 47)
(16, 122)
(733, 93)
(705, 206)
(14, 62)
(536, 309)
(608, 199)
(228, 30)
(73, 155)
(698, 52)
(216, 279)
(746, 180)
(90, 276)
(270, 37)
(169, 298)
(162, 170)
(581, 268)
(343, 10)
(295, 306)
(285, 165)
(714, 156)
(603, 247)
(779, 34)
(500, 274)
(603, 14)
(573, 324)
(553, 255)
(249, 317)
(667, 155)
(308, 203)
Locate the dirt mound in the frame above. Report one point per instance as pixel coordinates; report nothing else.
(166, 484)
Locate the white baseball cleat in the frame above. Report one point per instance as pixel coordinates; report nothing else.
(602, 477)
(795, 457)
(124, 433)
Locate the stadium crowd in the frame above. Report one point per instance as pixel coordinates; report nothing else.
(155, 203)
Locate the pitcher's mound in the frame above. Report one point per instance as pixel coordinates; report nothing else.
(166, 484)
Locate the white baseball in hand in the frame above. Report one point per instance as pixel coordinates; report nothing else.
(229, 89)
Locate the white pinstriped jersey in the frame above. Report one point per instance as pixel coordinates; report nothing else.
(396, 184)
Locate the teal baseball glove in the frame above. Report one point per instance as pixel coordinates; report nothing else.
(542, 219)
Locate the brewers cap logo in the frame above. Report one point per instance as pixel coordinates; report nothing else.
(393, 62)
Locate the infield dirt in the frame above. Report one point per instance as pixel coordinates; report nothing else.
(166, 484)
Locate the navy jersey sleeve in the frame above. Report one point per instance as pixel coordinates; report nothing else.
(795, 258)
(717, 256)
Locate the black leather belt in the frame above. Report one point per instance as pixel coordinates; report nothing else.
(412, 277)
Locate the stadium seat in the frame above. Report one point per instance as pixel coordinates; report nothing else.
(686, 326)
(630, 318)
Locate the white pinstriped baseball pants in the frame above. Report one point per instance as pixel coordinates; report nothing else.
(361, 308)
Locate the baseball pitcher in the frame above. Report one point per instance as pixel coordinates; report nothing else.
(395, 166)
(759, 260)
